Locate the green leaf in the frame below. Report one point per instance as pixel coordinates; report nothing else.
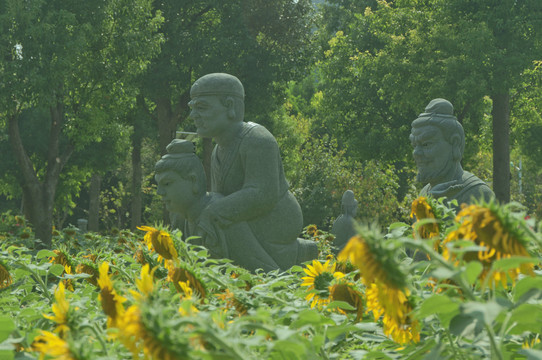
(56, 269)
(289, 349)
(6, 327)
(512, 262)
(531, 354)
(526, 317)
(333, 331)
(45, 253)
(473, 270)
(485, 312)
(526, 284)
(464, 325)
(443, 273)
(7, 355)
(340, 305)
(437, 304)
(397, 225)
(311, 317)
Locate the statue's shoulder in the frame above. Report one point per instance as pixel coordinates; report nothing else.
(253, 134)
(474, 186)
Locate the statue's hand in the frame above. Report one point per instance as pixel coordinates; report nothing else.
(210, 216)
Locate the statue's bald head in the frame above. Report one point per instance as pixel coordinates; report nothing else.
(218, 84)
(439, 113)
(224, 86)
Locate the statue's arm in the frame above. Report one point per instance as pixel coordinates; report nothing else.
(260, 192)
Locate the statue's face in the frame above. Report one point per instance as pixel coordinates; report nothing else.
(432, 153)
(209, 115)
(178, 193)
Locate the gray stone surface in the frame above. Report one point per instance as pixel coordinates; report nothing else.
(343, 227)
(438, 140)
(181, 183)
(246, 169)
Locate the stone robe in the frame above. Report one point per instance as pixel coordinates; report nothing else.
(463, 190)
(248, 172)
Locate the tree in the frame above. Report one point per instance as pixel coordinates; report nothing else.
(263, 43)
(70, 58)
(393, 57)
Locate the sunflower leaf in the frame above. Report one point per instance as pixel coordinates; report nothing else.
(43, 253)
(437, 304)
(340, 305)
(473, 270)
(525, 285)
(6, 327)
(512, 262)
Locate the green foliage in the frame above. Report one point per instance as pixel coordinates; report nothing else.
(267, 316)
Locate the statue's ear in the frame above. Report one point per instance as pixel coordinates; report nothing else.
(230, 106)
(455, 140)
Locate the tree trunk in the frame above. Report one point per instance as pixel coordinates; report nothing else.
(94, 203)
(137, 174)
(501, 146)
(39, 195)
(167, 123)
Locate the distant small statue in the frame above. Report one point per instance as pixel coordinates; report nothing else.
(343, 227)
(182, 184)
(438, 140)
(246, 168)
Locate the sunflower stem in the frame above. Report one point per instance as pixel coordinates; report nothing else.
(495, 351)
(98, 336)
(225, 346)
(454, 350)
(120, 270)
(38, 280)
(222, 284)
(465, 287)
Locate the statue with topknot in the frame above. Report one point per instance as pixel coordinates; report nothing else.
(438, 140)
(182, 183)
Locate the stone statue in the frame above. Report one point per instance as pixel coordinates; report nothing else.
(246, 168)
(181, 183)
(438, 140)
(343, 227)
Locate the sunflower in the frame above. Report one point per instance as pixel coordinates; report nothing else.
(61, 309)
(393, 305)
(373, 261)
(68, 283)
(183, 274)
(87, 267)
(5, 277)
(422, 209)
(386, 293)
(140, 257)
(493, 228)
(231, 301)
(319, 281)
(187, 306)
(161, 242)
(136, 334)
(145, 283)
(311, 230)
(111, 301)
(62, 258)
(345, 291)
(49, 344)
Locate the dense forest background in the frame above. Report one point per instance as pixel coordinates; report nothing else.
(92, 92)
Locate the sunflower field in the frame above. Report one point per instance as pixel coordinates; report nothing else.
(448, 285)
